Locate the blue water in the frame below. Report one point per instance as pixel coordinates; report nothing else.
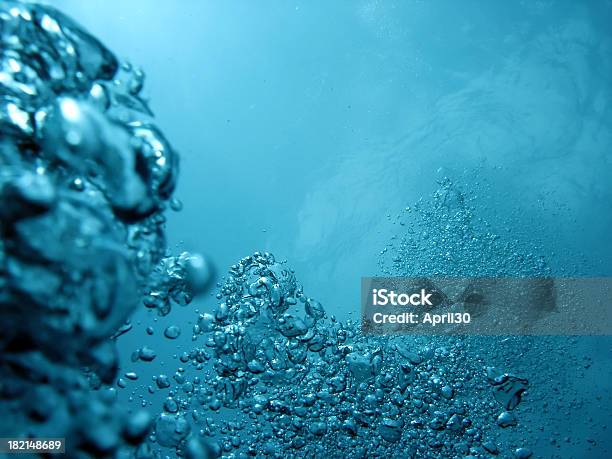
(311, 130)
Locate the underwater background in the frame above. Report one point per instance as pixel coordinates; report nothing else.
(362, 138)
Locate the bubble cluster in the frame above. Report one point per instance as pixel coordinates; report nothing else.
(445, 236)
(301, 384)
(177, 279)
(84, 179)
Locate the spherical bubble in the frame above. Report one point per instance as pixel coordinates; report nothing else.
(200, 273)
(146, 354)
(162, 381)
(172, 332)
(176, 204)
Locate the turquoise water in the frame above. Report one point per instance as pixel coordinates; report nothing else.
(363, 138)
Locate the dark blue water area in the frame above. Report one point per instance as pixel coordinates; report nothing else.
(327, 133)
